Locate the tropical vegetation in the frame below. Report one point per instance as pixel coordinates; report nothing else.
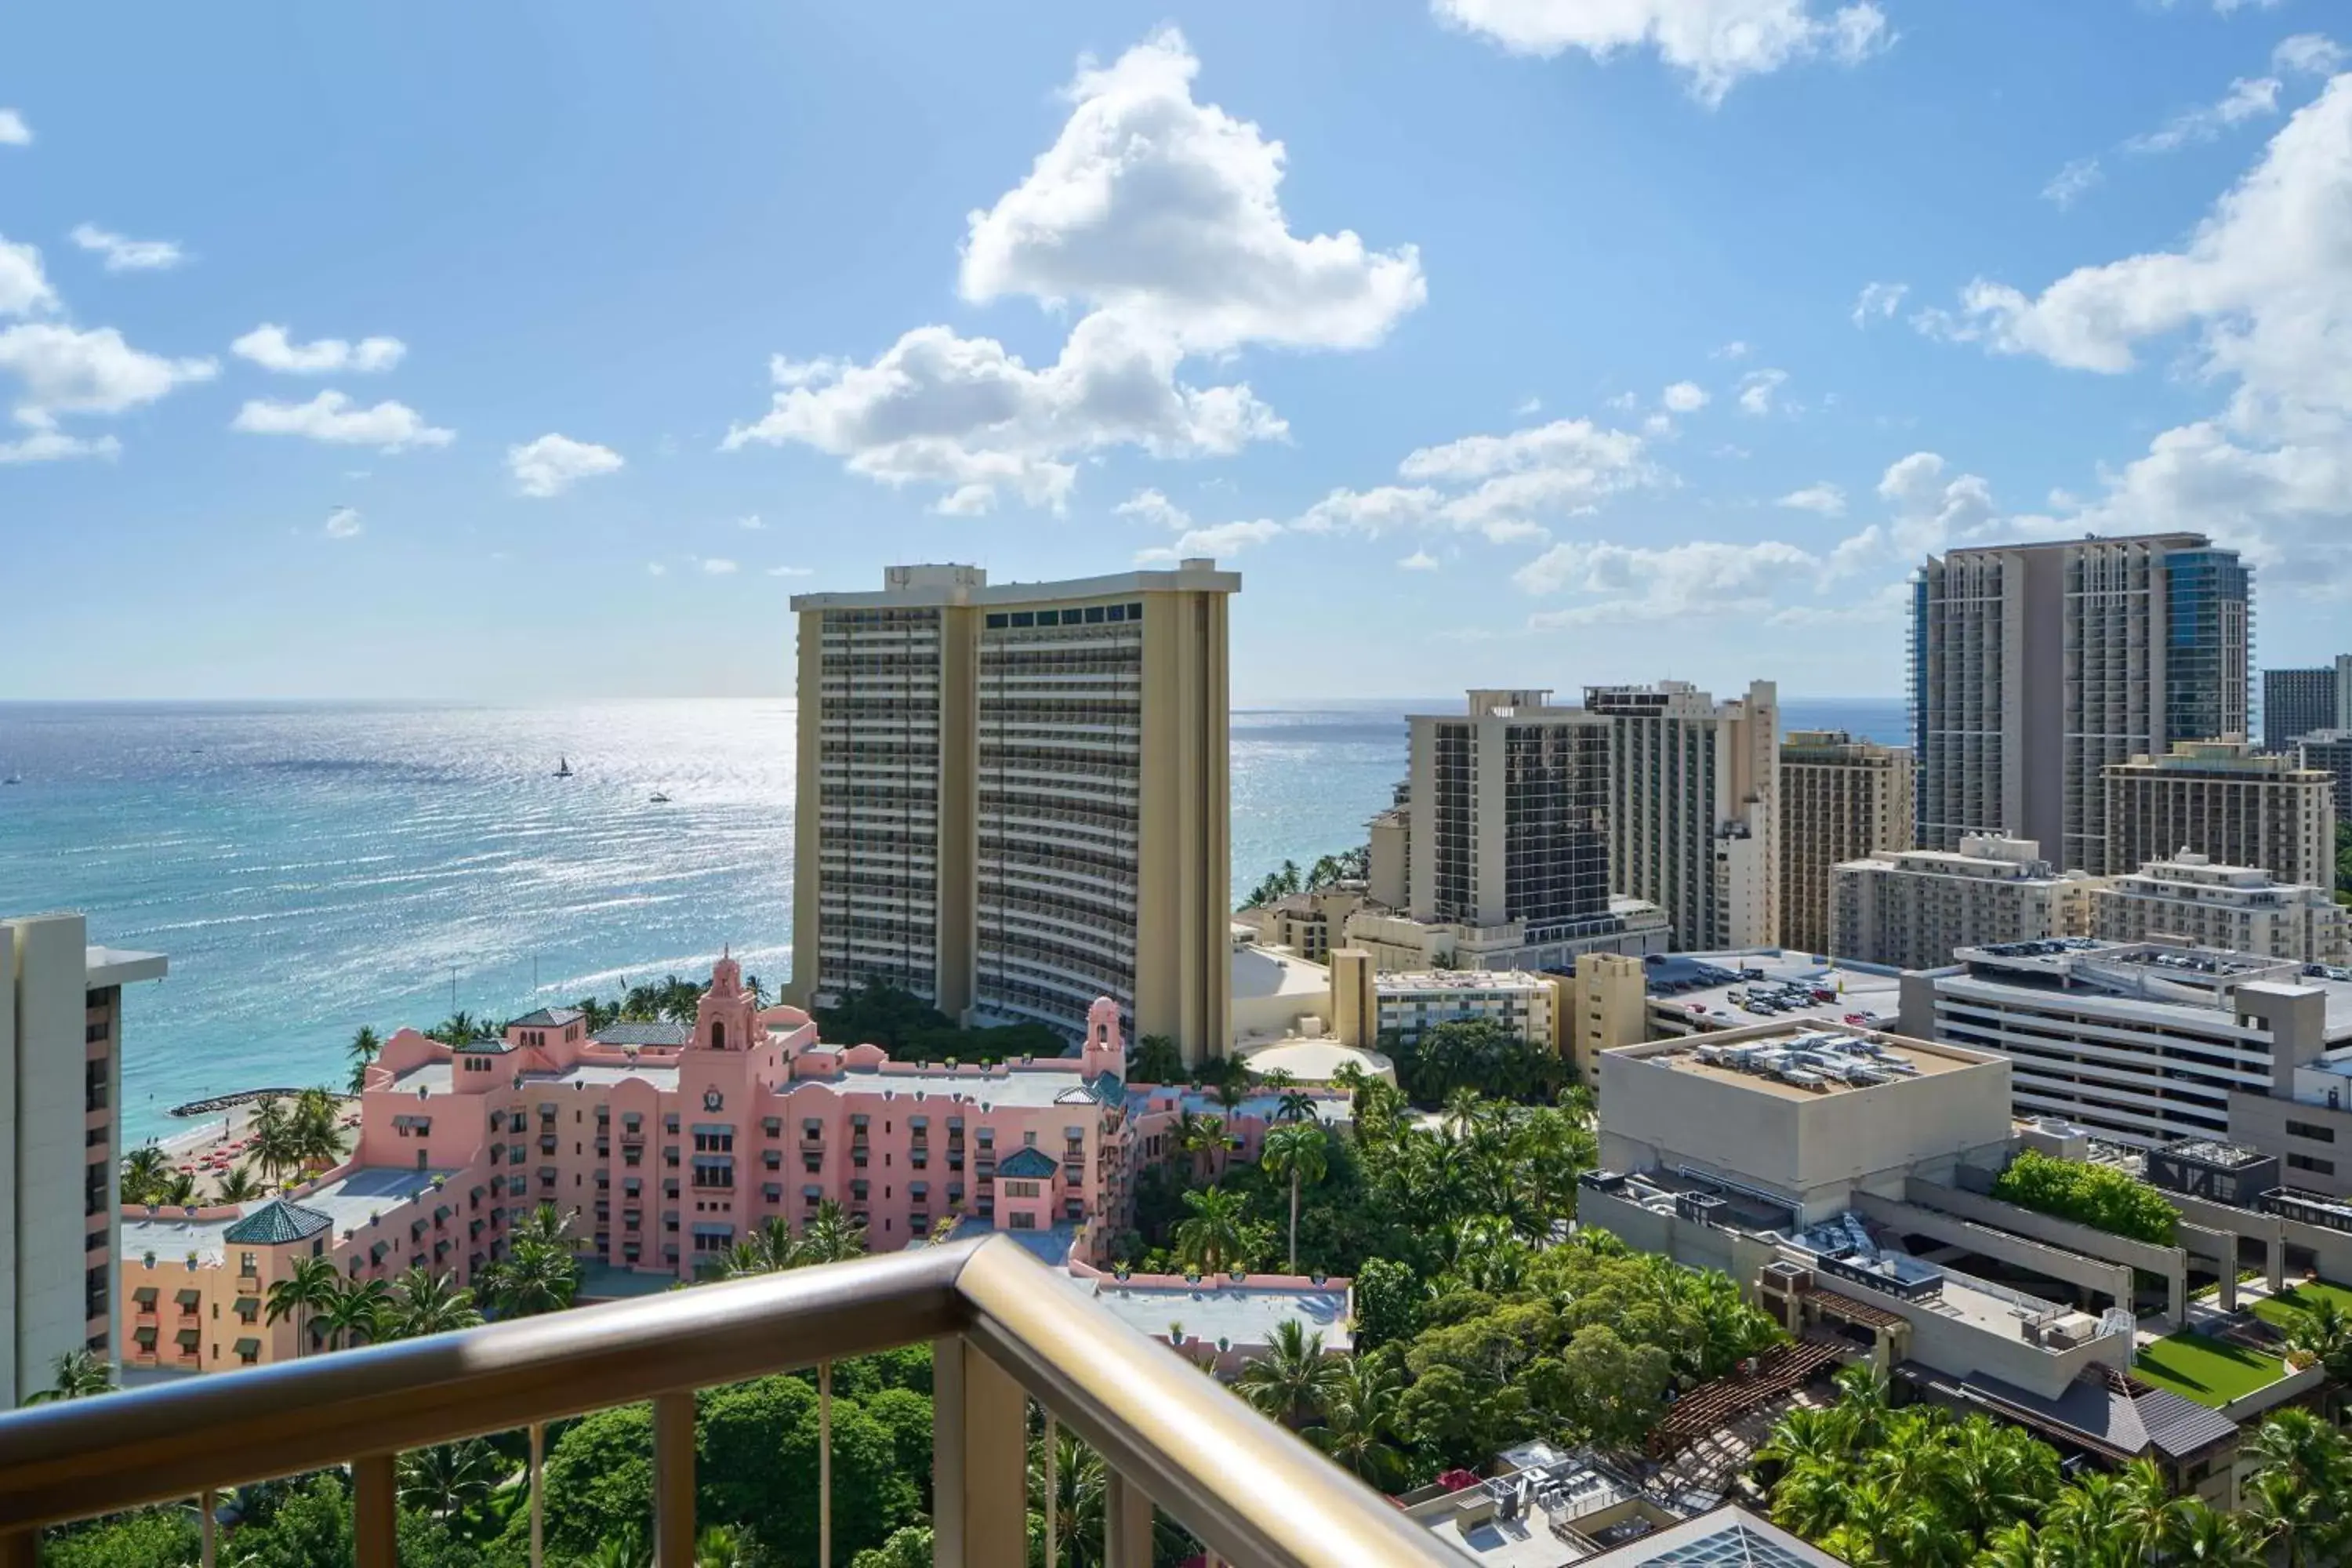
(2100, 1196)
(1328, 870)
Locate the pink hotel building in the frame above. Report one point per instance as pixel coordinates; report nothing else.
(668, 1144)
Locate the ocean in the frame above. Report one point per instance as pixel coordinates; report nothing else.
(312, 868)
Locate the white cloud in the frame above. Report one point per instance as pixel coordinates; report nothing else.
(1714, 42)
(343, 522)
(1168, 212)
(964, 413)
(1625, 582)
(1418, 560)
(1733, 349)
(717, 567)
(269, 347)
(2072, 183)
(23, 287)
(1159, 218)
(1528, 407)
(1825, 498)
(2308, 54)
(1757, 388)
(792, 571)
(2249, 97)
(331, 418)
(2227, 7)
(1153, 506)
(14, 131)
(1219, 539)
(55, 445)
(656, 568)
(1503, 486)
(553, 464)
(122, 254)
(68, 371)
(1381, 510)
(1878, 302)
(752, 524)
(1684, 397)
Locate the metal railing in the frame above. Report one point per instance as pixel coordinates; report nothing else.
(1003, 1332)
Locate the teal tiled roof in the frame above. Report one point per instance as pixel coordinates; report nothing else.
(275, 1224)
(1026, 1164)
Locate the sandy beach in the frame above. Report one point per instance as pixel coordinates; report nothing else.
(206, 1135)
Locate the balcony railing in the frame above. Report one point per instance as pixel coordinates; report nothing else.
(1002, 1333)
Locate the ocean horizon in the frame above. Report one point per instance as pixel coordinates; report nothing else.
(310, 867)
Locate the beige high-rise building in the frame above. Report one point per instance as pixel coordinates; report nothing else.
(1914, 909)
(2195, 899)
(2035, 666)
(1694, 808)
(2227, 801)
(1013, 799)
(1607, 1005)
(60, 1099)
(1840, 799)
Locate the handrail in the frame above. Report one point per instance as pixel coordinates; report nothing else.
(1252, 1490)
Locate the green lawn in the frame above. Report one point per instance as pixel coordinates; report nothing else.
(2280, 1310)
(2205, 1370)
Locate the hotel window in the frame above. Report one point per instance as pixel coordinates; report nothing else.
(2316, 1167)
(2315, 1132)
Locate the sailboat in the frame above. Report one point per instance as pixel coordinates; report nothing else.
(562, 767)
(658, 798)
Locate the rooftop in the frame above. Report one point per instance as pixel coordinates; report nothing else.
(547, 1018)
(348, 1199)
(1727, 1538)
(171, 1239)
(1214, 1310)
(1458, 980)
(605, 1074)
(643, 1034)
(120, 966)
(2153, 978)
(1788, 987)
(1794, 1062)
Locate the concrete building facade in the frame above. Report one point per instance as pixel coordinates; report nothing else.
(2034, 667)
(2330, 752)
(1911, 909)
(2146, 1044)
(1013, 799)
(1840, 799)
(1693, 807)
(2227, 801)
(60, 1097)
(2243, 909)
(1370, 1009)
(2296, 702)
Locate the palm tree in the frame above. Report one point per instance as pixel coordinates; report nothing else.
(533, 1279)
(446, 1481)
(275, 1145)
(425, 1303)
(311, 1289)
(178, 1190)
(143, 1173)
(831, 1235)
(362, 1309)
(722, 1547)
(1293, 1380)
(1296, 1105)
(2211, 1539)
(625, 1548)
(755, 991)
(1077, 1491)
(1359, 1416)
(2301, 1466)
(237, 1184)
(1214, 1238)
(546, 1226)
(318, 1141)
(2151, 1515)
(79, 1375)
(362, 1050)
(1300, 1151)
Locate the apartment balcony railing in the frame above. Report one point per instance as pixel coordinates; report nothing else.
(1001, 1335)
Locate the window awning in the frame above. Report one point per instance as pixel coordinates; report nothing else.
(188, 1298)
(188, 1337)
(247, 1305)
(145, 1333)
(144, 1295)
(376, 1253)
(249, 1347)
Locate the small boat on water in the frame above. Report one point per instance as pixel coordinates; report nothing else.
(562, 767)
(658, 798)
(12, 779)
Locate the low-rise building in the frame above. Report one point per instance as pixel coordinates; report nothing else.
(2227, 800)
(1909, 911)
(1369, 1007)
(1308, 924)
(2193, 900)
(1611, 1002)
(1399, 942)
(667, 1146)
(2147, 1044)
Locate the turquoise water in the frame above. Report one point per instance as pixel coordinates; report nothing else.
(310, 868)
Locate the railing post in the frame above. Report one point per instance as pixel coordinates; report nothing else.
(824, 1464)
(208, 1530)
(538, 1499)
(980, 1463)
(1052, 1490)
(20, 1548)
(673, 1480)
(1127, 1523)
(375, 1515)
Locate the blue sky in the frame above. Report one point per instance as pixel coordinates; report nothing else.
(532, 351)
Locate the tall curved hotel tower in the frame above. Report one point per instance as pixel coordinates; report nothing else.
(2034, 667)
(1012, 799)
